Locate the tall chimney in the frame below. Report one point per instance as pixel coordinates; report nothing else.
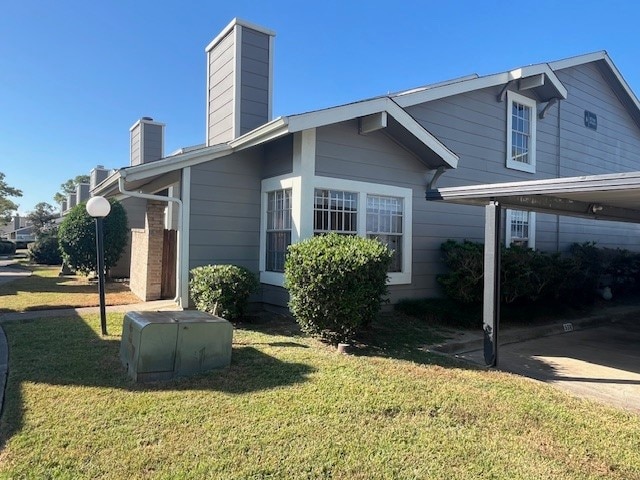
(239, 81)
(82, 192)
(147, 141)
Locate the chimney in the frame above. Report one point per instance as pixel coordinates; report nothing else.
(147, 141)
(82, 192)
(97, 176)
(239, 81)
(71, 200)
(16, 222)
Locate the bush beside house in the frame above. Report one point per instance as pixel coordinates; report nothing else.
(336, 284)
(222, 290)
(45, 250)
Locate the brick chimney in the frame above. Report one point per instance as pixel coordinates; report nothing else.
(239, 81)
(147, 141)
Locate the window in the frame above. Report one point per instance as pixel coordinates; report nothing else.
(335, 211)
(521, 132)
(521, 228)
(278, 229)
(384, 222)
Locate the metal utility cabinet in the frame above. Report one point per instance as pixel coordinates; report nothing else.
(163, 345)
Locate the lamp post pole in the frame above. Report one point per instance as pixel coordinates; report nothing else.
(98, 208)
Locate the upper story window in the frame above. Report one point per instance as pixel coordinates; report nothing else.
(384, 222)
(278, 229)
(335, 211)
(521, 228)
(521, 132)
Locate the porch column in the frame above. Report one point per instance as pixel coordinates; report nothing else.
(491, 300)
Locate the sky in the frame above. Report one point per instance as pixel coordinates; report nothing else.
(75, 75)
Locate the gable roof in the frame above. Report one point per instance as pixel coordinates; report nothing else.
(611, 73)
(398, 124)
(539, 78)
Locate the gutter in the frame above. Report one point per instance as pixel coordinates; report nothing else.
(177, 299)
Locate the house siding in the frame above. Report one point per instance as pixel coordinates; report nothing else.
(153, 141)
(254, 80)
(221, 91)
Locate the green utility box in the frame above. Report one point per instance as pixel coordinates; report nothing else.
(163, 345)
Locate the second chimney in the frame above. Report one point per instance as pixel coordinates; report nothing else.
(147, 141)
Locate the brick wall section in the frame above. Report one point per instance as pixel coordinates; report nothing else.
(146, 254)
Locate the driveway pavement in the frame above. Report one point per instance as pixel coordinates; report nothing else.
(600, 362)
(9, 271)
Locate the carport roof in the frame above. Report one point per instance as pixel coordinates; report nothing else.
(614, 197)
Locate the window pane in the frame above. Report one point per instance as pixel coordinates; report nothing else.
(278, 229)
(384, 222)
(335, 211)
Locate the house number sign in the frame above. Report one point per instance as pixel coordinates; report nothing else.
(590, 120)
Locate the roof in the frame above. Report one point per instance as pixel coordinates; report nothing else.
(397, 123)
(614, 197)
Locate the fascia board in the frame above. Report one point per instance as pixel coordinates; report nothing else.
(269, 131)
(342, 113)
(578, 60)
(417, 130)
(410, 99)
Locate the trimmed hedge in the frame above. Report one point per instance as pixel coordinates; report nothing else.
(45, 251)
(7, 247)
(222, 290)
(336, 284)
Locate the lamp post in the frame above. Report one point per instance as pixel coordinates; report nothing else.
(98, 208)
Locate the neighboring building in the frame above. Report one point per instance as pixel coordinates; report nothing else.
(363, 168)
(18, 230)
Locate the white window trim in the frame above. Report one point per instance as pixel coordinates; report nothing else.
(516, 97)
(531, 242)
(300, 225)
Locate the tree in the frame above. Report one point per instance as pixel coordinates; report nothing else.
(42, 217)
(6, 205)
(77, 237)
(69, 187)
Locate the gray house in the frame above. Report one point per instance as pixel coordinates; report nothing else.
(259, 184)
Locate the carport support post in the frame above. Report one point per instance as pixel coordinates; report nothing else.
(491, 300)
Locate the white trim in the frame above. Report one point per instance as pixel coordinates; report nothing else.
(531, 221)
(528, 102)
(185, 193)
(304, 166)
(413, 97)
(237, 83)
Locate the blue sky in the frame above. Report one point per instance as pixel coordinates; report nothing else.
(75, 75)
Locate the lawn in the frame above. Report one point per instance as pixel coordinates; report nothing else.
(290, 407)
(44, 289)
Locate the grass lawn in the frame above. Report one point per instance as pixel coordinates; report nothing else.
(44, 289)
(290, 407)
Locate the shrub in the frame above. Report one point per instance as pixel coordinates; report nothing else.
(336, 283)
(77, 237)
(222, 290)
(7, 247)
(46, 251)
(464, 280)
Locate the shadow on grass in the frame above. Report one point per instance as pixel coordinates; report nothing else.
(66, 351)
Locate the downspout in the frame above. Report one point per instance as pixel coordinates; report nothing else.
(177, 299)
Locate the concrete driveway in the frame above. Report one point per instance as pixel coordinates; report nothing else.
(601, 363)
(9, 271)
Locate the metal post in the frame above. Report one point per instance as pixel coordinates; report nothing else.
(100, 254)
(491, 300)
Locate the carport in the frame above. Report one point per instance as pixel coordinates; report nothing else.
(611, 197)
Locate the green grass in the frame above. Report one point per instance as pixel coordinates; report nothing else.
(44, 289)
(290, 407)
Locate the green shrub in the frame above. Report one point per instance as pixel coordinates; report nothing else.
(222, 290)
(464, 280)
(7, 247)
(77, 237)
(336, 283)
(46, 251)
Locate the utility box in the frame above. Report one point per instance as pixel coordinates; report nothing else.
(164, 345)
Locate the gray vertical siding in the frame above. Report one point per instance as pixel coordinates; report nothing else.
(221, 84)
(135, 158)
(254, 89)
(153, 140)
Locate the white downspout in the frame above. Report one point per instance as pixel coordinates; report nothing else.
(148, 196)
